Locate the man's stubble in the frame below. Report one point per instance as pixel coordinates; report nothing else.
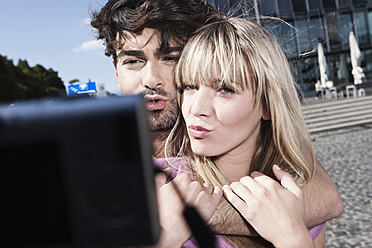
(163, 120)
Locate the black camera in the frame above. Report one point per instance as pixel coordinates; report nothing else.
(77, 173)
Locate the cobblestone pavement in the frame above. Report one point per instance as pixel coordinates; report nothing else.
(347, 157)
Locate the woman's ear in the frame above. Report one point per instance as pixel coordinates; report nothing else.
(265, 116)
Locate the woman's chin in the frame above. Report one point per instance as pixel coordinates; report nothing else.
(203, 152)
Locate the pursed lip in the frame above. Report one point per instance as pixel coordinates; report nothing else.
(198, 132)
(155, 102)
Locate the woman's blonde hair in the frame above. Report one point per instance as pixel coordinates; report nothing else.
(241, 51)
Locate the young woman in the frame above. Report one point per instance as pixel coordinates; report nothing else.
(241, 125)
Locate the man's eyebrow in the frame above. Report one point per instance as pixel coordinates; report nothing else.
(136, 53)
(169, 50)
(140, 53)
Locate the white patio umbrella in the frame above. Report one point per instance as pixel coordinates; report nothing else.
(322, 66)
(355, 59)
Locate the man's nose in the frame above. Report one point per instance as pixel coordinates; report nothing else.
(153, 76)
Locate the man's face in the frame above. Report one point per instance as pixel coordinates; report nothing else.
(141, 69)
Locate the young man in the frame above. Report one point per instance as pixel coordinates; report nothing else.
(145, 38)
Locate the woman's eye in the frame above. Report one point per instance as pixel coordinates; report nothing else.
(189, 87)
(228, 90)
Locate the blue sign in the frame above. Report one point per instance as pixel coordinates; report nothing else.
(82, 88)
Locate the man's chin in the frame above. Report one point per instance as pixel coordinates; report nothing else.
(159, 128)
(158, 122)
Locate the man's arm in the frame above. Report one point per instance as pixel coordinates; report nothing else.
(322, 203)
(227, 220)
(322, 199)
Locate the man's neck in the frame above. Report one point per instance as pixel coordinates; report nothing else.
(158, 141)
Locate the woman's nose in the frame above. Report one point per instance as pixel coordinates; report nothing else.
(202, 102)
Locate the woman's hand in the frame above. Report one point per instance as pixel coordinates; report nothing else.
(174, 229)
(204, 198)
(275, 211)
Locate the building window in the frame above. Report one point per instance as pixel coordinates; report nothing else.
(299, 6)
(370, 24)
(333, 31)
(345, 28)
(366, 62)
(303, 35)
(361, 27)
(285, 35)
(268, 7)
(337, 68)
(315, 5)
(349, 76)
(360, 2)
(235, 2)
(329, 4)
(308, 70)
(316, 31)
(285, 8)
(344, 3)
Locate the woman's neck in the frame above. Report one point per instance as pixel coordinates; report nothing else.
(235, 166)
(236, 163)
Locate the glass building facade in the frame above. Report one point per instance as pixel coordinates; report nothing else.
(308, 22)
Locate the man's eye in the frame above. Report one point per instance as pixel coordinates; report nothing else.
(171, 58)
(131, 62)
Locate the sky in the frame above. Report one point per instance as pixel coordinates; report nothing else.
(56, 34)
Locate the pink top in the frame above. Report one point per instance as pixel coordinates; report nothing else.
(178, 166)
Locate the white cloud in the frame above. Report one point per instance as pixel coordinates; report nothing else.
(86, 22)
(90, 45)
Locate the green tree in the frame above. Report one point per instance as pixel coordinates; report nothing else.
(24, 82)
(73, 81)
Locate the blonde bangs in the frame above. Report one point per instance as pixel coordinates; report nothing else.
(213, 61)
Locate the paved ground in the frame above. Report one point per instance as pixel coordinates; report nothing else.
(347, 156)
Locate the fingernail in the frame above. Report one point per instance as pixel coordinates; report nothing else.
(276, 167)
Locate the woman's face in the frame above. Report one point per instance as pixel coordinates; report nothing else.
(221, 120)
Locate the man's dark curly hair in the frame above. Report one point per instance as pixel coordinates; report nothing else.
(173, 19)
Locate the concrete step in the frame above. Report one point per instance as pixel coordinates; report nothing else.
(311, 104)
(332, 121)
(336, 114)
(354, 113)
(349, 109)
(339, 104)
(340, 125)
